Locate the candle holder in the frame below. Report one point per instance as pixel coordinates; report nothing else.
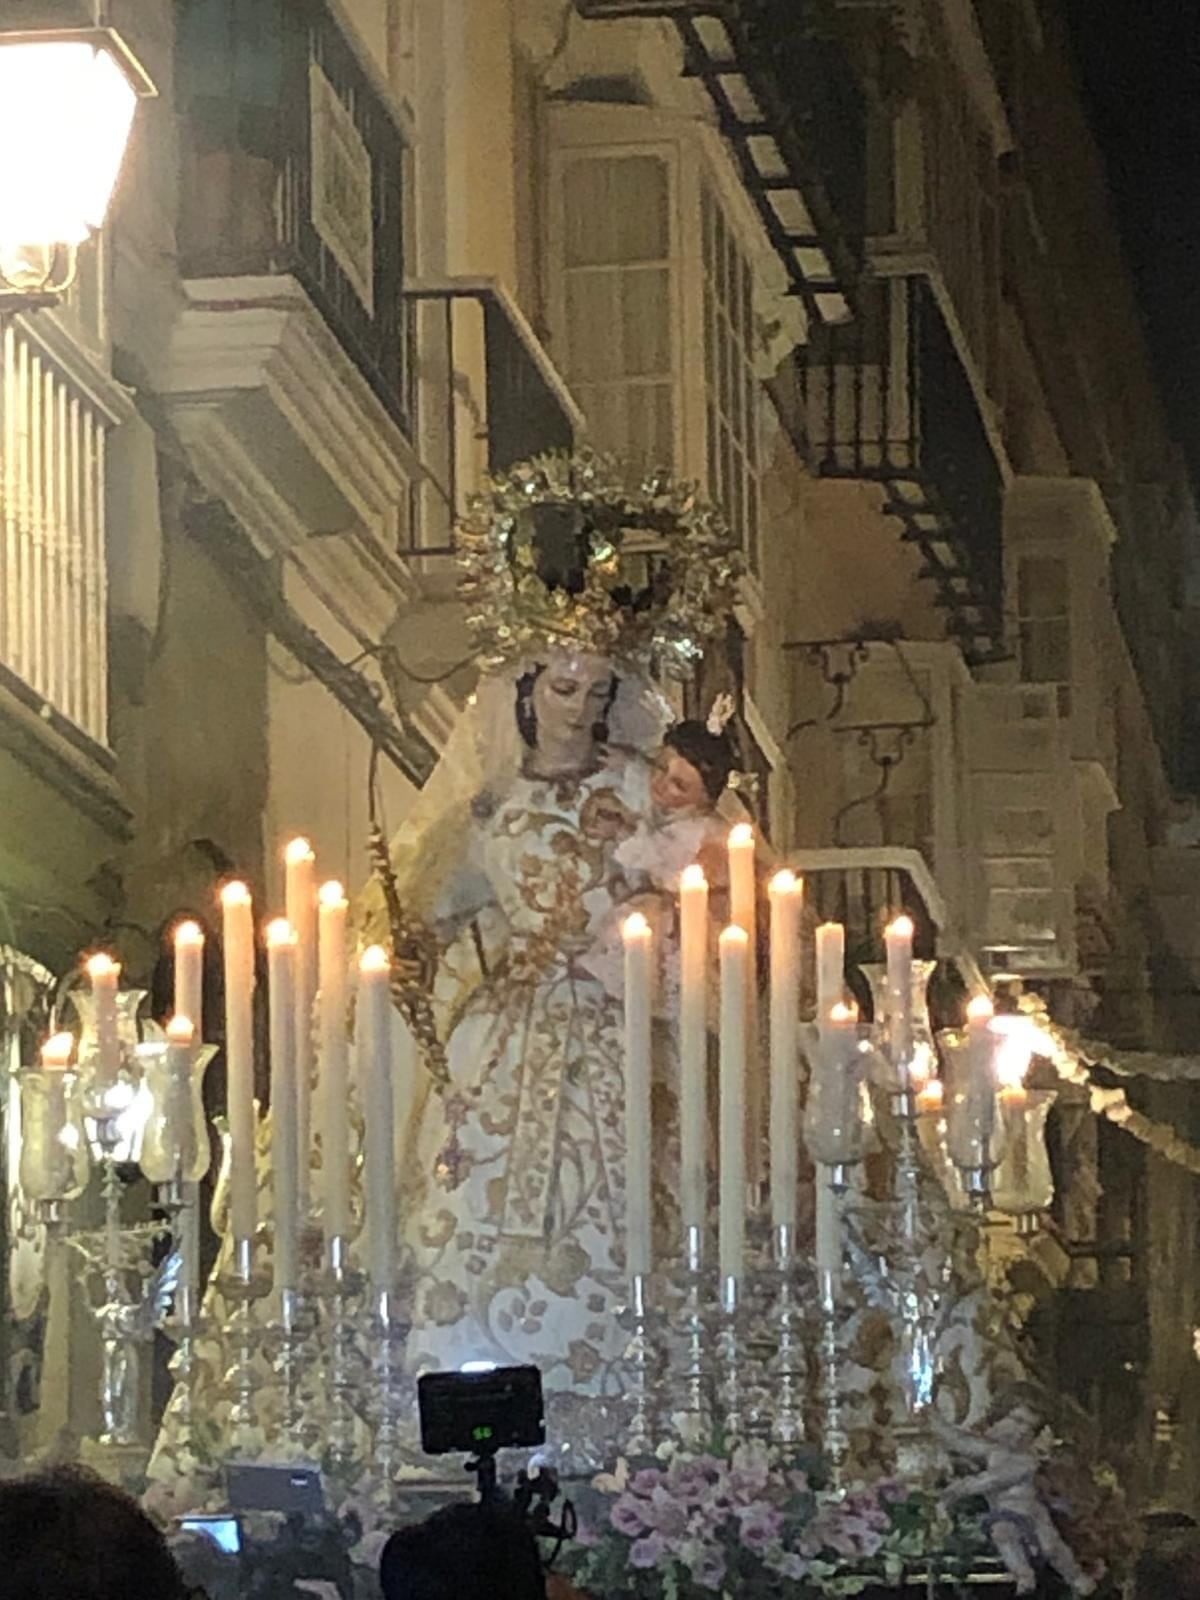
(340, 1291)
(835, 1441)
(242, 1288)
(788, 1368)
(1023, 1183)
(288, 1349)
(390, 1397)
(897, 1063)
(54, 1163)
(692, 1415)
(731, 1362)
(641, 1367)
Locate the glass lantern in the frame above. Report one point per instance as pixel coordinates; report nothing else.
(837, 1121)
(54, 1162)
(1023, 1184)
(115, 1111)
(970, 1111)
(174, 1147)
(889, 1074)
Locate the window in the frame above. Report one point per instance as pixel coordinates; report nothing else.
(730, 382)
(617, 293)
(1044, 622)
(52, 573)
(654, 258)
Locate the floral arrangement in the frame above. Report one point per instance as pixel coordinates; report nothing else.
(750, 1524)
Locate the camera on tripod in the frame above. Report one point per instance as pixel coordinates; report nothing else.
(482, 1409)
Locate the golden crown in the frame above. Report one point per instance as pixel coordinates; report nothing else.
(561, 551)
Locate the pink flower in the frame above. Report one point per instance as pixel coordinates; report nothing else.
(647, 1552)
(626, 1517)
(789, 1565)
(759, 1526)
(646, 1481)
(666, 1515)
(709, 1569)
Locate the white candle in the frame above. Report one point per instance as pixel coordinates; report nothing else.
(743, 913)
(734, 956)
(980, 1097)
(693, 1049)
(635, 932)
(333, 1067)
(898, 939)
(189, 975)
(375, 1075)
(237, 913)
(300, 867)
(285, 1155)
(828, 1241)
(831, 967)
(181, 1038)
(785, 892)
(105, 976)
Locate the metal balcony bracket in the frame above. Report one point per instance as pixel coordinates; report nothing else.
(886, 745)
(839, 661)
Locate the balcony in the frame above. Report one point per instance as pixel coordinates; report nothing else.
(789, 103)
(295, 168)
(488, 396)
(887, 399)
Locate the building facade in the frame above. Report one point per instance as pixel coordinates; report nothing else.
(847, 264)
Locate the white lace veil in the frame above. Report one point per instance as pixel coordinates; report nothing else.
(482, 758)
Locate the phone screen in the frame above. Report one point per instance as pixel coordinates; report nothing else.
(225, 1532)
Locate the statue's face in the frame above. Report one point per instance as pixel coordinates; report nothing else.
(677, 785)
(570, 696)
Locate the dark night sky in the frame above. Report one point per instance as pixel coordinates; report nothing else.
(1139, 65)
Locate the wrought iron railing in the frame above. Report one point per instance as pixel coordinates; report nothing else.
(489, 396)
(791, 104)
(887, 398)
(296, 165)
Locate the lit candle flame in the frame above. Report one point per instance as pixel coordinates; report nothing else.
(901, 928)
(235, 894)
(1015, 1052)
(635, 926)
(786, 882)
(181, 1030)
(57, 1051)
(734, 935)
(280, 932)
(840, 1012)
(693, 877)
(741, 836)
(374, 959)
(189, 933)
(102, 965)
(332, 894)
(298, 850)
(932, 1096)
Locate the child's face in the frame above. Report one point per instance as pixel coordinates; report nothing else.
(677, 785)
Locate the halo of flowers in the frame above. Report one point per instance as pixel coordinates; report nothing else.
(514, 610)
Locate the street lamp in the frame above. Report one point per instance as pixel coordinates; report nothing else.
(67, 99)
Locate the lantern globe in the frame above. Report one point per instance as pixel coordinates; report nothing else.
(66, 110)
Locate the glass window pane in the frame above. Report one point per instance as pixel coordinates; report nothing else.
(645, 329)
(593, 325)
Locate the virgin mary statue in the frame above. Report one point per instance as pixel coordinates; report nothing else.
(515, 1159)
